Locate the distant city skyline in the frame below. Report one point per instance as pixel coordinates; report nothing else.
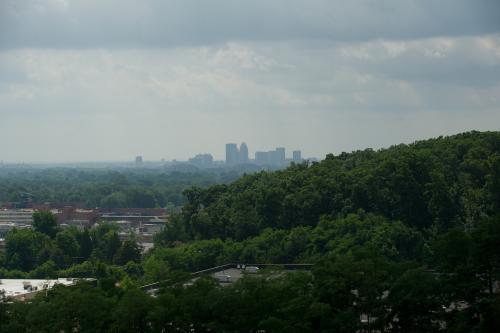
(218, 154)
(240, 155)
(83, 81)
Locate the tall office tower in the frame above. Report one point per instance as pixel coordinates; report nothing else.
(297, 156)
(261, 157)
(273, 157)
(138, 160)
(232, 153)
(243, 153)
(280, 152)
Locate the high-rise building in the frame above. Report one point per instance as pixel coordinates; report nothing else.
(273, 157)
(232, 154)
(297, 156)
(280, 155)
(138, 160)
(261, 157)
(243, 153)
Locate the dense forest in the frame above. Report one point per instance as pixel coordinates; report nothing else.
(142, 188)
(405, 238)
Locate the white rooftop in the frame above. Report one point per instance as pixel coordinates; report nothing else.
(19, 287)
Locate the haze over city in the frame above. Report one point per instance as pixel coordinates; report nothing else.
(268, 166)
(101, 81)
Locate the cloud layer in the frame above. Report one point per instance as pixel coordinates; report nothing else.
(159, 23)
(106, 80)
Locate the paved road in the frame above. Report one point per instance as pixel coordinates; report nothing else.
(228, 276)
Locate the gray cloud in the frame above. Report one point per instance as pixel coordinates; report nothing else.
(107, 80)
(159, 23)
(116, 103)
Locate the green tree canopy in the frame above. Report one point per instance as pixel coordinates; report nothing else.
(45, 222)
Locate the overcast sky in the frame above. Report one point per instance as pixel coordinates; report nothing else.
(108, 80)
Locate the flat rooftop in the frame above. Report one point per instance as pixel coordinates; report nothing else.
(19, 288)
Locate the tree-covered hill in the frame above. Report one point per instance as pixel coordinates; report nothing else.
(439, 183)
(404, 239)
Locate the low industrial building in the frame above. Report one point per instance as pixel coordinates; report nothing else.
(24, 289)
(229, 273)
(17, 216)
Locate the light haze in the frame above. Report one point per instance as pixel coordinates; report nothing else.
(90, 80)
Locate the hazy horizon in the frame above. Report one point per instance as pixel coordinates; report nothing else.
(147, 159)
(109, 80)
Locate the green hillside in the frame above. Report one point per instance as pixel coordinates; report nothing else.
(404, 239)
(439, 183)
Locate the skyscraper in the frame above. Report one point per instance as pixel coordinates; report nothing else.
(232, 154)
(261, 157)
(243, 153)
(280, 155)
(297, 156)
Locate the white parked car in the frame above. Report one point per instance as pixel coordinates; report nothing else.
(224, 278)
(252, 269)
